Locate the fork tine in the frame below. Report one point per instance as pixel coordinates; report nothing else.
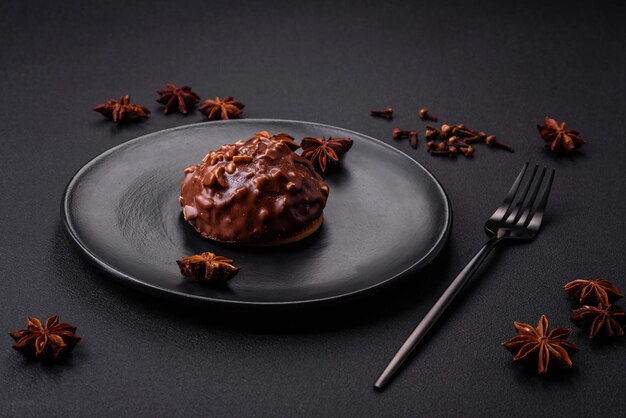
(537, 216)
(515, 212)
(502, 210)
(530, 202)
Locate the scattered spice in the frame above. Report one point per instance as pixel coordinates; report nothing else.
(538, 345)
(383, 113)
(600, 320)
(49, 341)
(450, 147)
(344, 143)
(319, 152)
(446, 130)
(177, 98)
(207, 267)
(122, 110)
(425, 114)
(398, 133)
(431, 132)
(559, 139)
(323, 152)
(465, 132)
(287, 140)
(593, 291)
(493, 142)
(228, 108)
(282, 137)
(450, 140)
(413, 139)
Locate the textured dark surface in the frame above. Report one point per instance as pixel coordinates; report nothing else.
(495, 66)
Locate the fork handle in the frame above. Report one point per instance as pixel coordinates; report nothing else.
(436, 311)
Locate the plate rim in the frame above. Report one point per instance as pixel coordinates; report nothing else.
(173, 294)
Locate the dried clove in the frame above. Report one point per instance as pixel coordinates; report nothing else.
(413, 139)
(398, 133)
(493, 142)
(425, 114)
(432, 132)
(382, 113)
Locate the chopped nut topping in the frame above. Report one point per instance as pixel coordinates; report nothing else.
(242, 159)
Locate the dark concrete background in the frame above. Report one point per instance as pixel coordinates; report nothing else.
(495, 66)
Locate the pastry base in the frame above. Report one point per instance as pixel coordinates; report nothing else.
(298, 236)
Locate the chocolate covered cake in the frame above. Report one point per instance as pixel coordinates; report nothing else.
(254, 192)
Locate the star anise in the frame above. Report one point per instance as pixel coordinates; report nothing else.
(207, 267)
(559, 139)
(228, 108)
(538, 345)
(49, 341)
(601, 320)
(282, 137)
(177, 98)
(320, 152)
(344, 143)
(122, 110)
(323, 152)
(593, 291)
(287, 140)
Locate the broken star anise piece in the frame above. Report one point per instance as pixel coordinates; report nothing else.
(537, 345)
(322, 152)
(49, 341)
(559, 139)
(207, 267)
(177, 98)
(122, 110)
(600, 320)
(228, 108)
(593, 291)
(287, 140)
(282, 137)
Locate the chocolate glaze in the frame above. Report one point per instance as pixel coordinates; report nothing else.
(253, 191)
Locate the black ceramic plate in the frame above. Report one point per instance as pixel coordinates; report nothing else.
(386, 216)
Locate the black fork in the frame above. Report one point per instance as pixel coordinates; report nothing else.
(518, 217)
